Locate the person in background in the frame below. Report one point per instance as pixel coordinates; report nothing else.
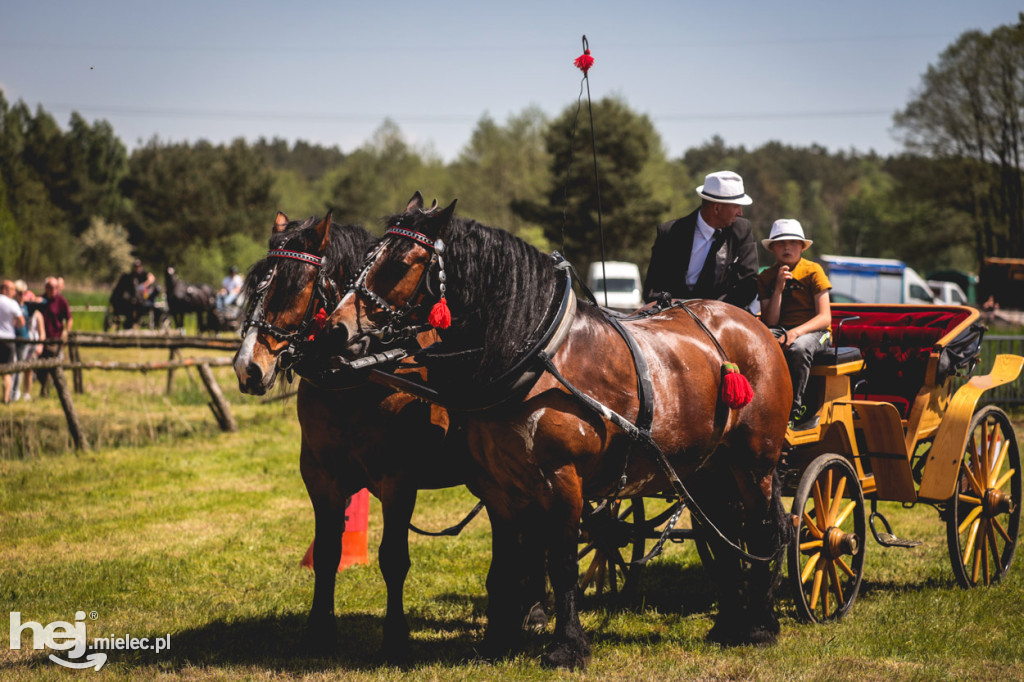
(10, 320)
(57, 321)
(230, 288)
(794, 297)
(35, 330)
(711, 252)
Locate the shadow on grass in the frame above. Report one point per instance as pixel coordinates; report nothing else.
(276, 642)
(666, 587)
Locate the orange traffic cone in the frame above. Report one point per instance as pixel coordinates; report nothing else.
(353, 540)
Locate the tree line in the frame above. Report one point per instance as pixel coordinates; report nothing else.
(75, 202)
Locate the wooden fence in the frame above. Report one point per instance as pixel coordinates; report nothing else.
(174, 343)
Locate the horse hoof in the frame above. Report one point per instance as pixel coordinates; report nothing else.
(564, 657)
(396, 653)
(757, 635)
(320, 636)
(536, 620)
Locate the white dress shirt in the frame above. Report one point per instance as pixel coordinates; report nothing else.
(702, 238)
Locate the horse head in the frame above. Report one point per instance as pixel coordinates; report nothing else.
(289, 293)
(401, 281)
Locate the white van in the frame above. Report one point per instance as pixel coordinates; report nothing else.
(947, 293)
(624, 285)
(876, 280)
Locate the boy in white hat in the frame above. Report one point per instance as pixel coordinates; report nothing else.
(794, 296)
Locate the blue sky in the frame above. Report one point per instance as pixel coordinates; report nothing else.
(799, 72)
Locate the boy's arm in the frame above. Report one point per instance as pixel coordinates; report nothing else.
(822, 319)
(771, 307)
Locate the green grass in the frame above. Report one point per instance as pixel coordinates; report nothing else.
(183, 530)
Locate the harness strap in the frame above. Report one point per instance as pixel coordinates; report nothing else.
(645, 441)
(704, 328)
(644, 390)
(453, 530)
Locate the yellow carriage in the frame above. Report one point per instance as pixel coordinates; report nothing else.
(896, 422)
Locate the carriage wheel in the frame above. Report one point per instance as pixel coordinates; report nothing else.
(826, 558)
(612, 538)
(983, 516)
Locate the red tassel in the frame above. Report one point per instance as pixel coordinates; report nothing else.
(736, 390)
(584, 62)
(440, 317)
(319, 322)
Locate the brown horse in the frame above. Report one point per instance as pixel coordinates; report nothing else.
(547, 448)
(361, 436)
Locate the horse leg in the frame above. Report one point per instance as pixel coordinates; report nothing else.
(746, 604)
(767, 529)
(329, 502)
(714, 491)
(503, 631)
(534, 582)
(398, 500)
(570, 648)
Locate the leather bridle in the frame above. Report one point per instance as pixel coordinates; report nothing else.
(326, 296)
(397, 326)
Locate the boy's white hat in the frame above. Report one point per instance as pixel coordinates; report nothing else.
(724, 187)
(783, 229)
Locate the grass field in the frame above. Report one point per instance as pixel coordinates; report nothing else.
(170, 527)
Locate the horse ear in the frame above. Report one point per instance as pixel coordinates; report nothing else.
(438, 222)
(323, 231)
(416, 202)
(280, 222)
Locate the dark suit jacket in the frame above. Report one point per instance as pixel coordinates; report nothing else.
(727, 276)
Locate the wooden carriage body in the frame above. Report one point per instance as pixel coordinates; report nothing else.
(899, 421)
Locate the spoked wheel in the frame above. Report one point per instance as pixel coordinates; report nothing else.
(826, 558)
(983, 516)
(612, 537)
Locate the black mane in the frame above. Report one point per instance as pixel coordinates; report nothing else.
(501, 291)
(346, 250)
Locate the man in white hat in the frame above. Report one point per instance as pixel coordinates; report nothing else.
(709, 253)
(794, 297)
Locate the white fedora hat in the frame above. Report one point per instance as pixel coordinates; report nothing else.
(786, 228)
(724, 187)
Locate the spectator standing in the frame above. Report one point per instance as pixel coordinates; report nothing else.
(10, 319)
(35, 330)
(57, 322)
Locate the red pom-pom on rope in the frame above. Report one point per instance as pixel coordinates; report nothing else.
(584, 62)
(319, 322)
(736, 390)
(440, 316)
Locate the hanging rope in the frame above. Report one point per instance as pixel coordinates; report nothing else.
(583, 63)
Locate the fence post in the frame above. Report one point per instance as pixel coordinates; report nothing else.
(175, 354)
(76, 374)
(218, 405)
(60, 383)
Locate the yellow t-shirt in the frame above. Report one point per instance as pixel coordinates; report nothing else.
(808, 281)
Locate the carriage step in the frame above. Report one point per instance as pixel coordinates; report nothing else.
(890, 540)
(886, 538)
